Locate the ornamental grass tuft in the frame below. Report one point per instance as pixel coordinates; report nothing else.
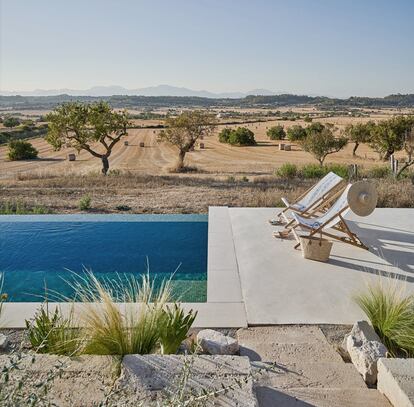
(391, 313)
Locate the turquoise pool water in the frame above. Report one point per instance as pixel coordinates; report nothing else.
(46, 250)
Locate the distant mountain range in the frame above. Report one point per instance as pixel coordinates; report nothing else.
(160, 90)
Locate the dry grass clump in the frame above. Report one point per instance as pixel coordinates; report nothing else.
(117, 317)
(108, 330)
(391, 312)
(395, 194)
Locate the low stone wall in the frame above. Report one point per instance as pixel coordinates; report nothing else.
(396, 381)
(105, 380)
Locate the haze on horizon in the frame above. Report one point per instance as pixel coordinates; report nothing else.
(332, 48)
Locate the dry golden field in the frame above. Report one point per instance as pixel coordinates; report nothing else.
(141, 181)
(216, 158)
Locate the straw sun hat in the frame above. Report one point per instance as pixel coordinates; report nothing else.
(362, 198)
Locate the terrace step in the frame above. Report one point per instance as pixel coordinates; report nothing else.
(311, 397)
(301, 368)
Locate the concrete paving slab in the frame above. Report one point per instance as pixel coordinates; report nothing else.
(286, 346)
(223, 280)
(279, 286)
(210, 314)
(289, 353)
(396, 381)
(329, 375)
(311, 397)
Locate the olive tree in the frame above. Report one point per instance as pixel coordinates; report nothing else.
(387, 136)
(276, 133)
(94, 127)
(408, 148)
(320, 141)
(185, 130)
(296, 133)
(359, 133)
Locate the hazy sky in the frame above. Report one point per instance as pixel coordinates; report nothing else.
(330, 47)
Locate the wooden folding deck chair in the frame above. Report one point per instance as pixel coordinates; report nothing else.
(316, 198)
(331, 219)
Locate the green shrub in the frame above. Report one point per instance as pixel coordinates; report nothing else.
(242, 136)
(287, 171)
(378, 172)
(391, 313)
(224, 135)
(296, 133)
(52, 333)
(338, 169)
(123, 208)
(316, 171)
(21, 208)
(276, 133)
(21, 150)
(313, 171)
(11, 122)
(85, 203)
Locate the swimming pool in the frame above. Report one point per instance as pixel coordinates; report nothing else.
(38, 251)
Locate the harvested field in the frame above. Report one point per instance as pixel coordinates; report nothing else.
(156, 159)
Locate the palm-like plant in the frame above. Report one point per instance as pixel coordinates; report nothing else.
(174, 328)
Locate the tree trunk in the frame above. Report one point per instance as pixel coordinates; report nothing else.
(388, 154)
(180, 162)
(105, 164)
(355, 148)
(404, 167)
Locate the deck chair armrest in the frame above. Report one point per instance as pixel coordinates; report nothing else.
(285, 201)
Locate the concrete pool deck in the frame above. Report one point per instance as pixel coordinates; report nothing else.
(280, 287)
(256, 279)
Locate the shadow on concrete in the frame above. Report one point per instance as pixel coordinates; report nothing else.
(396, 246)
(370, 270)
(267, 396)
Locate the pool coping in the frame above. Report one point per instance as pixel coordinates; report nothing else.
(111, 217)
(224, 307)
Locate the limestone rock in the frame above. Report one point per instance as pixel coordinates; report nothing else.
(216, 343)
(151, 377)
(4, 341)
(365, 348)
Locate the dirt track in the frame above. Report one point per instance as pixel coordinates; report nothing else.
(156, 159)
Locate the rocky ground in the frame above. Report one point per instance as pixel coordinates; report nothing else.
(278, 366)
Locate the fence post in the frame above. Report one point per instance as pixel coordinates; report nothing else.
(352, 172)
